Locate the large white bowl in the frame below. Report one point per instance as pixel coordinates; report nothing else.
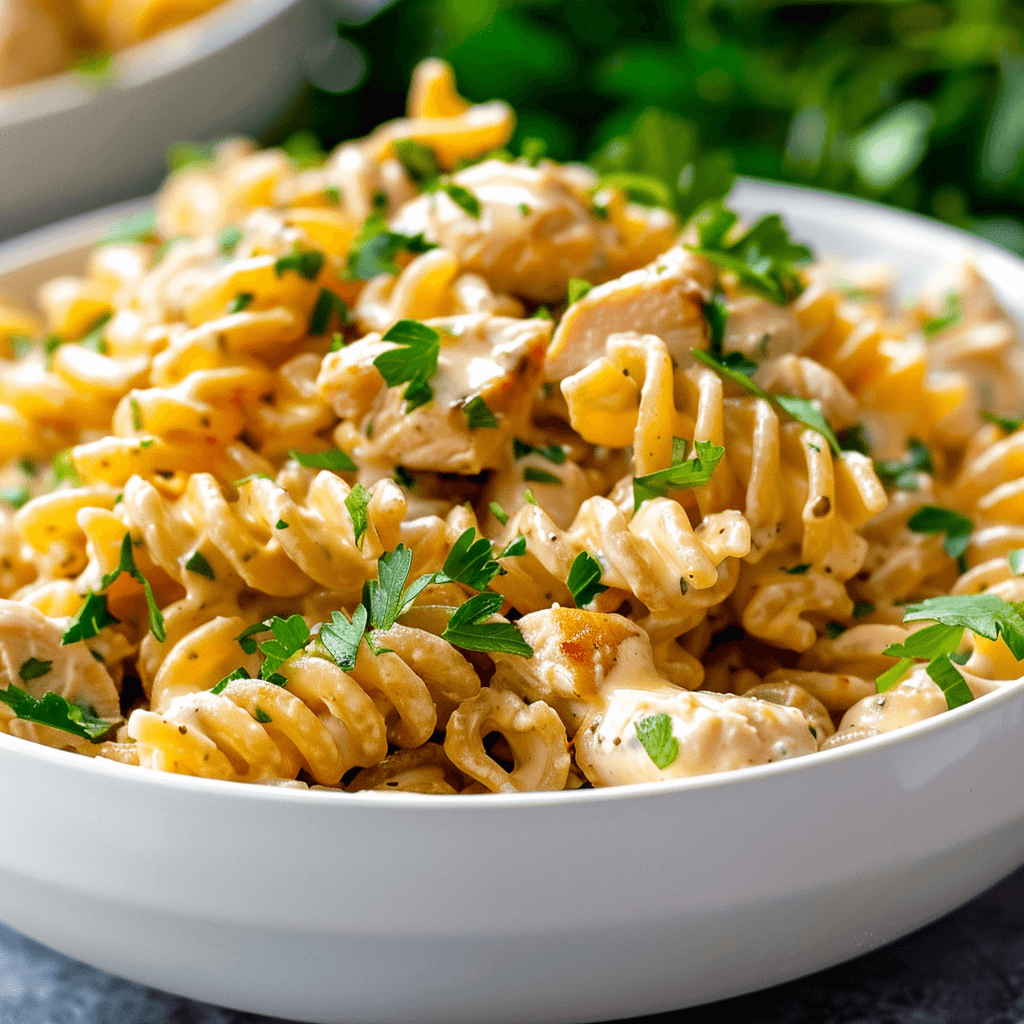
(67, 146)
(563, 907)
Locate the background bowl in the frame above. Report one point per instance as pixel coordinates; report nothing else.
(575, 906)
(69, 144)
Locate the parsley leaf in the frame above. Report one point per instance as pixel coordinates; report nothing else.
(578, 288)
(461, 196)
(834, 629)
(953, 685)
(682, 475)
(862, 608)
(950, 315)
(540, 476)
(34, 668)
(197, 563)
(516, 548)
(126, 563)
(929, 642)
(333, 458)
(341, 638)
(470, 561)
(936, 519)
(139, 227)
(988, 615)
(385, 595)
(374, 249)
(306, 263)
(239, 673)
(290, 636)
(584, 579)
(853, 439)
(55, 711)
(228, 238)
(902, 473)
(245, 638)
(737, 368)
(357, 502)
(798, 570)
(1003, 422)
(95, 338)
(418, 160)
(16, 497)
(466, 628)
(655, 735)
(327, 304)
(478, 414)
(260, 715)
(1016, 560)
(764, 258)
(241, 302)
(64, 468)
(552, 452)
(498, 512)
(413, 360)
(716, 314)
(88, 620)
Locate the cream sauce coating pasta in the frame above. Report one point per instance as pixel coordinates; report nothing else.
(327, 482)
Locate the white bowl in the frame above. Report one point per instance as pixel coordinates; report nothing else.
(559, 907)
(66, 146)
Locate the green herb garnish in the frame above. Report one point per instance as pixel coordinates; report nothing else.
(126, 563)
(655, 735)
(333, 458)
(584, 579)
(936, 519)
(357, 501)
(89, 619)
(478, 414)
(684, 474)
(468, 630)
(198, 564)
(902, 473)
(34, 668)
(413, 361)
(58, 713)
(552, 452)
(578, 288)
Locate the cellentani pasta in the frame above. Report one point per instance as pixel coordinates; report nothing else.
(430, 468)
(43, 37)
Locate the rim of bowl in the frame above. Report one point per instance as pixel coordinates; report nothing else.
(78, 231)
(162, 54)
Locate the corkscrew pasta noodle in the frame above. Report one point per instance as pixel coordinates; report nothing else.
(433, 469)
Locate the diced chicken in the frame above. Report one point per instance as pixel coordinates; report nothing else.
(663, 298)
(535, 230)
(497, 359)
(73, 673)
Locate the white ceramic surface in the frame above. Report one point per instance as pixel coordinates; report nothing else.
(67, 146)
(562, 907)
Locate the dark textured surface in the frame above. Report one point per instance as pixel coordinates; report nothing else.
(967, 968)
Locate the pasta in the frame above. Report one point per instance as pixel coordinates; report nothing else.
(43, 37)
(431, 469)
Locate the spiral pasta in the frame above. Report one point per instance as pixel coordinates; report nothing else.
(306, 488)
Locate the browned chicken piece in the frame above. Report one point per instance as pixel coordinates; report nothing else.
(536, 229)
(664, 298)
(497, 359)
(73, 673)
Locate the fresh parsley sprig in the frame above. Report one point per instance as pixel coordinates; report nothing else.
(764, 258)
(684, 474)
(413, 361)
(584, 579)
(126, 563)
(468, 629)
(57, 712)
(737, 368)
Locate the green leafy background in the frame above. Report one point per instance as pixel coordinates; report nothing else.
(917, 104)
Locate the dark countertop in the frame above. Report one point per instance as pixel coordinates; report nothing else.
(966, 968)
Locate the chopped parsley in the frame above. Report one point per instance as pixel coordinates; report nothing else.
(139, 227)
(534, 475)
(716, 315)
(738, 368)
(281, 525)
(418, 160)
(289, 637)
(948, 317)
(375, 248)
(404, 478)
(58, 713)
(241, 302)
(684, 474)
(306, 263)
(468, 630)
(126, 563)
(498, 512)
(478, 414)
(798, 570)
(95, 337)
(16, 497)
(578, 288)
(528, 497)
(198, 564)
(34, 668)
(862, 608)
(413, 361)
(228, 238)
(327, 304)
(902, 473)
(333, 458)
(956, 526)
(239, 673)
(64, 468)
(1006, 423)
(834, 629)
(764, 258)
(584, 579)
(655, 735)
(552, 452)
(341, 638)
(260, 715)
(533, 150)
(516, 548)
(89, 619)
(357, 501)
(136, 411)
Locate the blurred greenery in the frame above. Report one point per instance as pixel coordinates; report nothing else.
(918, 104)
